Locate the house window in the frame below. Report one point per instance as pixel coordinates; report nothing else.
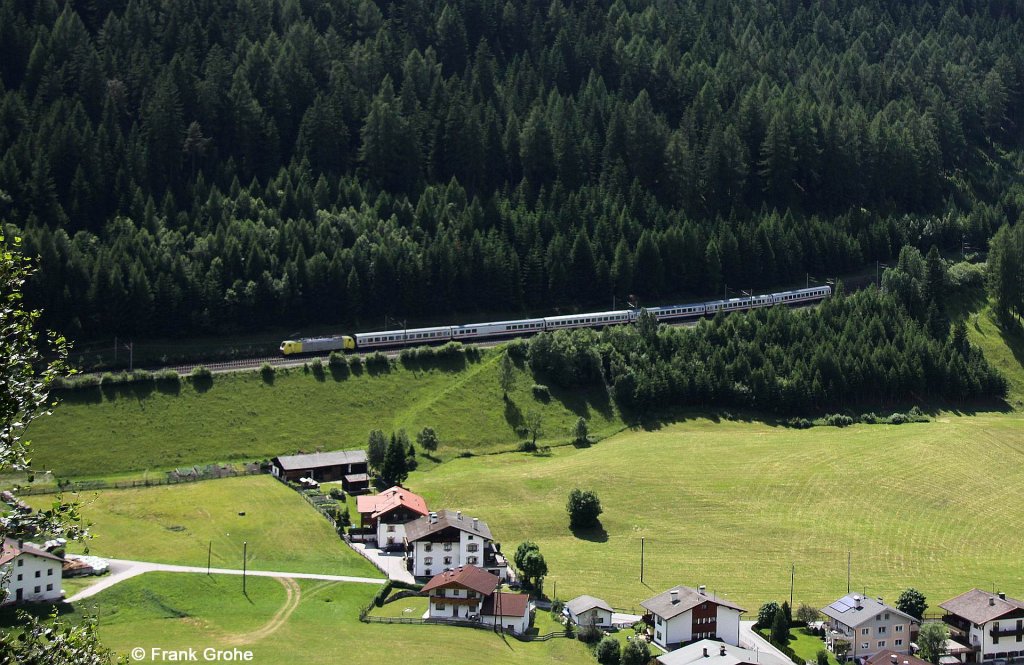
(49, 587)
(881, 644)
(447, 561)
(898, 643)
(38, 573)
(471, 537)
(426, 571)
(659, 621)
(427, 547)
(865, 631)
(881, 630)
(49, 571)
(440, 607)
(37, 590)
(471, 559)
(19, 577)
(657, 637)
(427, 560)
(447, 547)
(886, 616)
(899, 628)
(863, 645)
(391, 528)
(472, 547)
(21, 562)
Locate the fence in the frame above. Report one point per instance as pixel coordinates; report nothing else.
(172, 478)
(522, 637)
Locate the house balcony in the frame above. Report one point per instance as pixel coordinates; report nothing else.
(1006, 632)
(442, 600)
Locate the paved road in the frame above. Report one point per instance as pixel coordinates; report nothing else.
(392, 562)
(123, 569)
(751, 640)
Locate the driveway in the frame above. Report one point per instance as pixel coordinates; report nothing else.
(123, 569)
(392, 563)
(751, 640)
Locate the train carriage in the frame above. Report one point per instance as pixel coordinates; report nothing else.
(591, 320)
(513, 328)
(386, 338)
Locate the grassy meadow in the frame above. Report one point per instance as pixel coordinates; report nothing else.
(177, 524)
(99, 434)
(281, 619)
(733, 504)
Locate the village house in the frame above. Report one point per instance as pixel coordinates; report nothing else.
(388, 513)
(29, 573)
(348, 466)
(864, 626)
(587, 610)
(448, 539)
(990, 625)
(890, 657)
(470, 593)
(711, 652)
(683, 614)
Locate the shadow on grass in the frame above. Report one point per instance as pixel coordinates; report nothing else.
(138, 390)
(339, 371)
(513, 415)
(594, 534)
(9, 614)
(202, 384)
(91, 395)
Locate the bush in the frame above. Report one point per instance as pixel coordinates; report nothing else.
(518, 349)
(584, 509)
(427, 438)
(201, 372)
(378, 361)
(869, 418)
(317, 366)
(337, 360)
(766, 615)
(898, 419)
(528, 447)
(608, 651)
(267, 372)
(337, 493)
(838, 420)
(168, 377)
(589, 633)
(541, 392)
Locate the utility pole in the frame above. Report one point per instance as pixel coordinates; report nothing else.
(245, 555)
(209, 557)
(849, 554)
(792, 583)
(641, 559)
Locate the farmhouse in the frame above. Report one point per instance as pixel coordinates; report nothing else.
(864, 626)
(890, 657)
(29, 573)
(348, 466)
(990, 624)
(683, 614)
(459, 593)
(388, 513)
(447, 539)
(710, 652)
(470, 593)
(587, 610)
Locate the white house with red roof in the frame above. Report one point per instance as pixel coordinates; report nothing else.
(389, 512)
(29, 573)
(470, 593)
(990, 624)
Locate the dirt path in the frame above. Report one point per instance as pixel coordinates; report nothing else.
(293, 596)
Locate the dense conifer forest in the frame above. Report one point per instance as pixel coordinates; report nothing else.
(191, 166)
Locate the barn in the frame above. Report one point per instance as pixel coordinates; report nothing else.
(348, 466)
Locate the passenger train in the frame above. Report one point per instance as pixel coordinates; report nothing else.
(523, 327)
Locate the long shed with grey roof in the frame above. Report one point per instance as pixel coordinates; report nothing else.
(348, 466)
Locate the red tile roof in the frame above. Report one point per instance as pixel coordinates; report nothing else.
(510, 604)
(391, 498)
(469, 577)
(885, 657)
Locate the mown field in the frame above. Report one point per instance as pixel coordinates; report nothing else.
(733, 504)
(179, 523)
(97, 433)
(285, 621)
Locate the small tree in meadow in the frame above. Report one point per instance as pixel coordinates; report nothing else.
(584, 509)
(427, 438)
(608, 651)
(806, 613)
(636, 653)
(766, 614)
(376, 449)
(580, 431)
(780, 628)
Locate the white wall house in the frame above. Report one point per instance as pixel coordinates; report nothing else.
(989, 624)
(389, 512)
(510, 611)
(683, 614)
(586, 610)
(30, 574)
(868, 626)
(448, 539)
(470, 593)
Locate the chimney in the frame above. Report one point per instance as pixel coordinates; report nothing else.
(894, 658)
(1002, 596)
(458, 514)
(702, 590)
(991, 600)
(880, 600)
(674, 593)
(705, 652)
(433, 518)
(856, 602)
(721, 650)
(21, 543)
(476, 524)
